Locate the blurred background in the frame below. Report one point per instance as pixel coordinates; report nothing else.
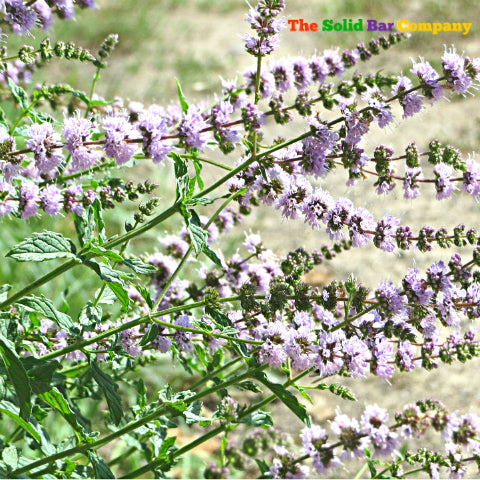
(198, 41)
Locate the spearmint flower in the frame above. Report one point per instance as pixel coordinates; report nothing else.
(153, 128)
(337, 217)
(471, 178)
(382, 354)
(316, 205)
(253, 242)
(374, 423)
(410, 183)
(51, 200)
(356, 356)
(443, 173)
(316, 148)
(44, 12)
(454, 69)
(282, 72)
(385, 233)
(76, 132)
(191, 132)
(21, 17)
(302, 73)
(29, 199)
(432, 89)
(301, 348)
(6, 203)
(72, 199)
(390, 300)
(362, 225)
(118, 130)
(314, 442)
(350, 435)
(410, 102)
(275, 336)
(184, 339)
(42, 142)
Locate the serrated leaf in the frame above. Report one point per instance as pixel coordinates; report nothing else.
(40, 372)
(90, 315)
(100, 467)
(43, 246)
(285, 396)
(4, 289)
(263, 466)
(45, 307)
(85, 226)
(193, 414)
(145, 295)
(174, 400)
(56, 400)
(121, 293)
(18, 376)
(103, 252)
(198, 237)
(19, 94)
(12, 411)
(139, 267)
(107, 297)
(10, 456)
(259, 418)
(114, 280)
(181, 96)
(109, 388)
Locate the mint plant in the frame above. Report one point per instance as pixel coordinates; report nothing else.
(246, 322)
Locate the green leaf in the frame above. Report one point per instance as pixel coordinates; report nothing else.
(284, 396)
(90, 315)
(85, 226)
(56, 400)
(114, 280)
(43, 246)
(174, 400)
(4, 289)
(45, 307)
(103, 252)
(150, 336)
(19, 94)
(181, 96)
(3, 119)
(198, 169)
(198, 236)
(263, 466)
(82, 96)
(109, 388)
(10, 456)
(97, 210)
(139, 267)
(40, 372)
(12, 411)
(100, 467)
(193, 414)
(259, 418)
(212, 256)
(18, 376)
